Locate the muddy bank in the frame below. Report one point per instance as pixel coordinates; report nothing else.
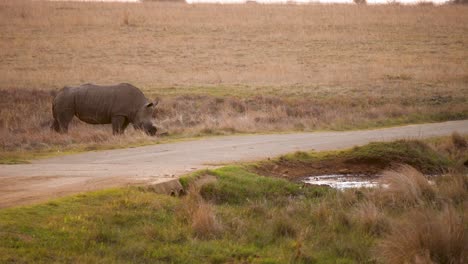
(299, 170)
(366, 161)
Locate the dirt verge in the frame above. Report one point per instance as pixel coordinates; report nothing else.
(368, 160)
(297, 170)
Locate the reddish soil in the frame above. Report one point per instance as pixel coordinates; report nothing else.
(297, 170)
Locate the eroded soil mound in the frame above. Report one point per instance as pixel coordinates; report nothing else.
(368, 160)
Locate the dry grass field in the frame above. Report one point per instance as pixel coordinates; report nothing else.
(235, 68)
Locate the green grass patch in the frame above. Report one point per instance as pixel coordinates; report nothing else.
(413, 152)
(187, 180)
(416, 153)
(133, 225)
(236, 185)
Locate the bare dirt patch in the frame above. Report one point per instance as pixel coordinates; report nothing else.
(297, 170)
(365, 161)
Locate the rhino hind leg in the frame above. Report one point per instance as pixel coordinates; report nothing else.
(55, 126)
(119, 124)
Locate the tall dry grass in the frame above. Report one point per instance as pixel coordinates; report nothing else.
(25, 117)
(459, 141)
(406, 187)
(236, 68)
(454, 147)
(338, 47)
(200, 215)
(453, 187)
(423, 222)
(413, 220)
(426, 236)
(204, 221)
(370, 218)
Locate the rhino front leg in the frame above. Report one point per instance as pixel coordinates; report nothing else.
(63, 119)
(119, 123)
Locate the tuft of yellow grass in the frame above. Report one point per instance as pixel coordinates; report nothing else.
(204, 221)
(454, 147)
(459, 141)
(426, 236)
(406, 186)
(454, 187)
(370, 218)
(200, 214)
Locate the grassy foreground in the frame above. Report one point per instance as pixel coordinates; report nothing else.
(241, 217)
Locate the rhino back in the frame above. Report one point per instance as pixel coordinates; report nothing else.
(97, 104)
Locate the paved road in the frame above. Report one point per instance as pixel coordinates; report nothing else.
(60, 176)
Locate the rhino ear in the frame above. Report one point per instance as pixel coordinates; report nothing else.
(152, 104)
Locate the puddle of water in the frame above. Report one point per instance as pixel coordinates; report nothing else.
(343, 181)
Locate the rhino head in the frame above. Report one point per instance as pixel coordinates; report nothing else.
(143, 119)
